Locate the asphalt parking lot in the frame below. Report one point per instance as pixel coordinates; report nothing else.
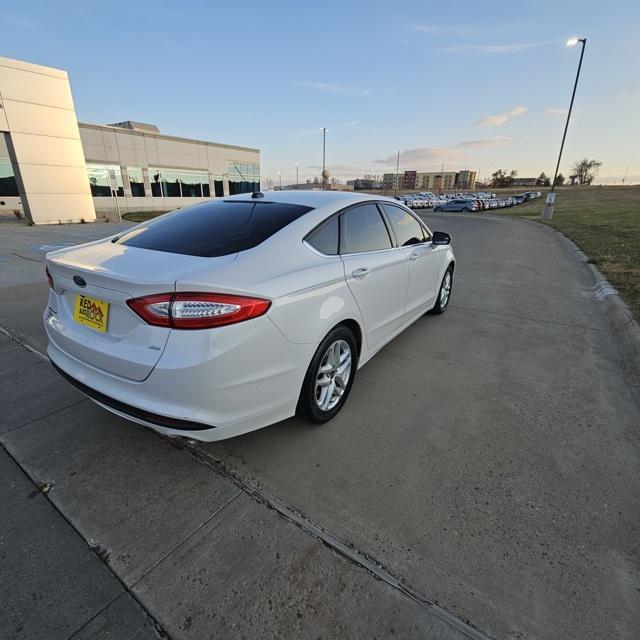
(486, 466)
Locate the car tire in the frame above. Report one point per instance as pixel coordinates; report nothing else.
(465, 210)
(442, 301)
(315, 404)
(438, 209)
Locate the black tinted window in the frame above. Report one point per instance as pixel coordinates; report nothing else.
(405, 227)
(214, 228)
(325, 237)
(363, 230)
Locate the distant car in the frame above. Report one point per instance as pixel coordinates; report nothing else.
(457, 205)
(518, 199)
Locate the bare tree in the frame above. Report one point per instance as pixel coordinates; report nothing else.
(585, 170)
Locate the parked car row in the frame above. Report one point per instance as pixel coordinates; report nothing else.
(465, 202)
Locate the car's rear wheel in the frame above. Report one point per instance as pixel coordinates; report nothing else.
(329, 377)
(438, 209)
(444, 294)
(465, 210)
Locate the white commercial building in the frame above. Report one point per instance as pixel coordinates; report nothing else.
(54, 169)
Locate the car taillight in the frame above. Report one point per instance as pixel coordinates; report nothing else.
(197, 310)
(49, 278)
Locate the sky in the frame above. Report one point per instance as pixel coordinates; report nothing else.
(481, 86)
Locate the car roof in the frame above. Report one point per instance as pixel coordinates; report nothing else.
(314, 199)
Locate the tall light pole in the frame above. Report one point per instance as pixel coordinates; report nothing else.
(324, 135)
(280, 179)
(547, 212)
(297, 179)
(626, 171)
(395, 193)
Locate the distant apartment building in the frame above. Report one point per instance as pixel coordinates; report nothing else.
(431, 181)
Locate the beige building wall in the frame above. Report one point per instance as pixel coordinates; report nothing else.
(120, 149)
(39, 115)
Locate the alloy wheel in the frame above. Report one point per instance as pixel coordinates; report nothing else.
(333, 375)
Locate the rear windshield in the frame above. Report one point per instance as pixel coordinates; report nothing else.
(214, 228)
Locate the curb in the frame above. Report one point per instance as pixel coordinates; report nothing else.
(619, 317)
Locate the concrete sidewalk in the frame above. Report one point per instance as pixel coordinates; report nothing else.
(109, 531)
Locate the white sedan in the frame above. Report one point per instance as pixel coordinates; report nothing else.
(233, 314)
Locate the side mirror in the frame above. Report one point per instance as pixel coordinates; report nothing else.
(440, 237)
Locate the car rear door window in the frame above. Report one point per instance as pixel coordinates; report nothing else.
(213, 229)
(406, 228)
(325, 237)
(363, 229)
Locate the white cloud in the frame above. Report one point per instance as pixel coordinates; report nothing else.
(555, 111)
(630, 92)
(487, 142)
(335, 88)
(497, 48)
(500, 118)
(491, 121)
(422, 156)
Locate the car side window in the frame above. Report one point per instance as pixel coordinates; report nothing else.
(324, 238)
(406, 228)
(363, 229)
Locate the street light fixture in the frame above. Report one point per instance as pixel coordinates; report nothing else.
(547, 212)
(324, 135)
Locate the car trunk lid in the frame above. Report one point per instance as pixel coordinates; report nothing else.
(105, 273)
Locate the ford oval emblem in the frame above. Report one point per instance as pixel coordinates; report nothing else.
(80, 281)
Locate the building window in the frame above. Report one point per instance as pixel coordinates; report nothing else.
(100, 180)
(170, 182)
(8, 184)
(191, 184)
(136, 182)
(243, 177)
(218, 186)
(175, 183)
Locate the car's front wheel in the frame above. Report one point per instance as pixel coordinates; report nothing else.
(330, 376)
(444, 294)
(438, 209)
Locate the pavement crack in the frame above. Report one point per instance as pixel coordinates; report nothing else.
(189, 535)
(13, 253)
(529, 318)
(46, 415)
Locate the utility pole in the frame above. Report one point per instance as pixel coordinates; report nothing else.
(395, 193)
(324, 177)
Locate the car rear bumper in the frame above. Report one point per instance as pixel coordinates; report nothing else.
(208, 385)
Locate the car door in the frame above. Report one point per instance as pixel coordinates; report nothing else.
(425, 260)
(375, 272)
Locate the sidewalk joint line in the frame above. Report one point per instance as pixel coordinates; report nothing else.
(158, 627)
(347, 551)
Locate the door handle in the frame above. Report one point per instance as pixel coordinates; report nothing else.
(414, 256)
(361, 272)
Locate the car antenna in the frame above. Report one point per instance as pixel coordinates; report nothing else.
(254, 194)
